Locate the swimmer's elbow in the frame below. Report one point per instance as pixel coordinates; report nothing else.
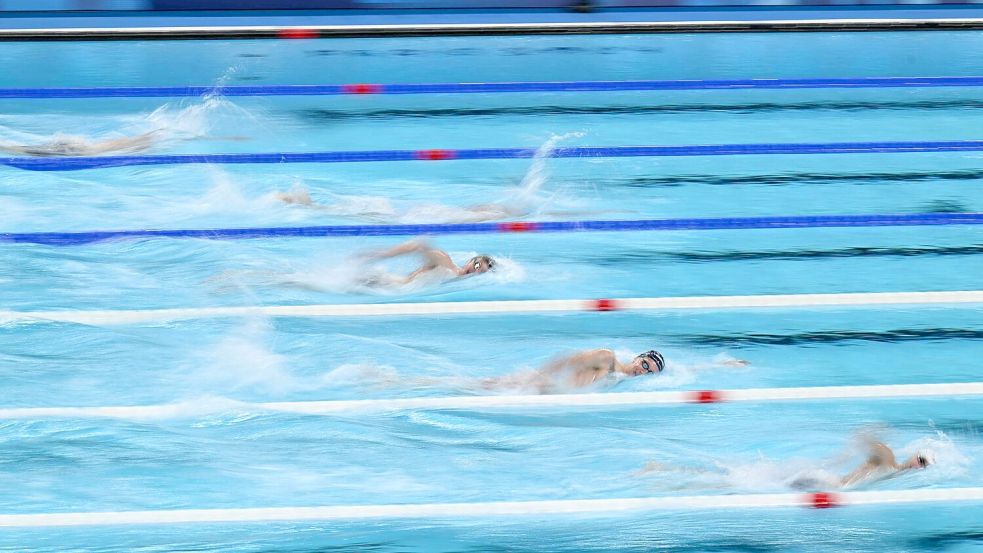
(605, 355)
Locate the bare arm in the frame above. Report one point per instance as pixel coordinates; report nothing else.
(879, 457)
(411, 246)
(129, 143)
(432, 256)
(584, 368)
(577, 361)
(14, 149)
(724, 363)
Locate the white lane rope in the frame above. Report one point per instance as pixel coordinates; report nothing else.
(499, 508)
(201, 407)
(441, 28)
(122, 316)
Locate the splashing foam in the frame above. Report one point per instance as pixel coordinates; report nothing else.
(243, 361)
(947, 461)
(808, 474)
(193, 121)
(526, 197)
(521, 201)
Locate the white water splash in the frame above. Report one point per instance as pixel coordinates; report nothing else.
(518, 202)
(198, 120)
(242, 360)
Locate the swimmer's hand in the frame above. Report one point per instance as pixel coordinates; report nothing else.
(736, 363)
(651, 466)
(233, 138)
(297, 195)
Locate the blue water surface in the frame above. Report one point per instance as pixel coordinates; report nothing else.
(219, 450)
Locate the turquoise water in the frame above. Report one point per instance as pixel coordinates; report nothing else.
(238, 456)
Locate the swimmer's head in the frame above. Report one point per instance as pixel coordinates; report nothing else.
(477, 265)
(650, 362)
(919, 460)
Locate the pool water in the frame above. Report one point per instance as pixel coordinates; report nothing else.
(236, 455)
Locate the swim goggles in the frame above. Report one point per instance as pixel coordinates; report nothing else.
(656, 359)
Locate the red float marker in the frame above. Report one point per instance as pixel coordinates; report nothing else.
(822, 500)
(298, 33)
(361, 88)
(517, 226)
(435, 155)
(707, 396)
(604, 305)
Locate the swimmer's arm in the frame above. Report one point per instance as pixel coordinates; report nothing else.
(432, 256)
(139, 142)
(879, 457)
(297, 195)
(14, 149)
(725, 363)
(579, 361)
(859, 474)
(583, 368)
(412, 246)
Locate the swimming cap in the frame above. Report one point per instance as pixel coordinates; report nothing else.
(928, 456)
(656, 357)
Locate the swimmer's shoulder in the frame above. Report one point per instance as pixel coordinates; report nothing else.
(603, 359)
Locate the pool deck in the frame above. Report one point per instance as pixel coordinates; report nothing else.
(262, 24)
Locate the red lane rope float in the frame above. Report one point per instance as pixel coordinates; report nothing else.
(298, 33)
(435, 155)
(707, 396)
(518, 226)
(562, 507)
(822, 500)
(361, 88)
(606, 305)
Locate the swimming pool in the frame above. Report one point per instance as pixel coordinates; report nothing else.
(218, 450)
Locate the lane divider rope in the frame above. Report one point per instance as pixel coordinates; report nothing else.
(81, 162)
(487, 88)
(471, 403)
(484, 29)
(725, 223)
(818, 500)
(127, 316)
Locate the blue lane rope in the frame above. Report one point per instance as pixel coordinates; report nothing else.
(816, 221)
(76, 163)
(485, 88)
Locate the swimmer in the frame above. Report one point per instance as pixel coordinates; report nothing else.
(477, 213)
(581, 370)
(881, 463)
(67, 145)
(383, 212)
(435, 263)
(585, 369)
